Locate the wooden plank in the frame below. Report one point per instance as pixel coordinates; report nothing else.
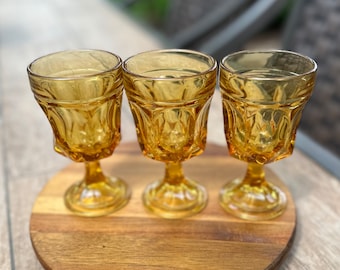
(316, 194)
(5, 258)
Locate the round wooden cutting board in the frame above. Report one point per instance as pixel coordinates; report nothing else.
(132, 238)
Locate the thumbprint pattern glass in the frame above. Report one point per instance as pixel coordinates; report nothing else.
(263, 95)
(80, 92)
(169, 93)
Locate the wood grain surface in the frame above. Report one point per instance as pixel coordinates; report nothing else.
(132, 238)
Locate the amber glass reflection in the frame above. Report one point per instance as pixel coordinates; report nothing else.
(81, 92)
(169, 93)
(263, 95)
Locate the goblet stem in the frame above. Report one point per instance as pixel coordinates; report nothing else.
(173, 173)
(97, 194)
(255, 175)
(253, 197)
(93, 173)
(175, 196)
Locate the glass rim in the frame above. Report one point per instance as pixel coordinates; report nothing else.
(211, 68)
(35, 74)
(282, 78)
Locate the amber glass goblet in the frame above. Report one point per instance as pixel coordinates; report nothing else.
(169, 92)
(263, 95)
(80, 92)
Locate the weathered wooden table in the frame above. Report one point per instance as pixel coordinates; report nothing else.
(31, 28)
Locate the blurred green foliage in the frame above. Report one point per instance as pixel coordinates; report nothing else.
(152, 12)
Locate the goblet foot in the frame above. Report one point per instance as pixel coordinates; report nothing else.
(252, 202)
(97, 199)
(175, 201)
